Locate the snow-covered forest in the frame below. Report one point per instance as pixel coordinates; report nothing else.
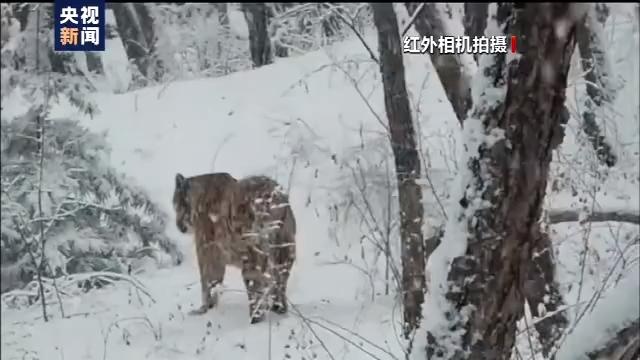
(448, 206)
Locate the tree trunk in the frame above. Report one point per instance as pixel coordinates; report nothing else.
(475, 20)
(599, 83)
(94, 62)
(451, 72)
(157, 69)
(403, 144)
(135, 27)
(510, 142)
(259, 42)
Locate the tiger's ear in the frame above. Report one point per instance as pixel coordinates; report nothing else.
(181, 182)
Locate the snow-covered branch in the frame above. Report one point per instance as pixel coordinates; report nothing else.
(350, 22)
(560, 216)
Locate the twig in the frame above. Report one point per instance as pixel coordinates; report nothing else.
(40, 122)
(316, 71)
(293, 167)
(350, 24)
(107, 275)
(307, 323)
(57, 291)
(412, 19)
(371, 223)
(526, 324)
(215, 155)
(420, 145)
(145, 320)
(351, 332)
(366, 101)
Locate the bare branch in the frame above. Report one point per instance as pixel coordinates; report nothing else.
(357, 344)
(560, 216)
(351, 24)
(412, 19)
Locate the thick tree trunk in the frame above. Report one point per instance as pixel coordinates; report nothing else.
(599, 83)
(475, 20)
(451, 72)
(257, 18)
(504, 197)
(135, 27)
(403, 144)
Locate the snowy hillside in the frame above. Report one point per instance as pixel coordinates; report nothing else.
(313, 123)
(286, 119)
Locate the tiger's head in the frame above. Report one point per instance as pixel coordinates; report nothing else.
(182, 205)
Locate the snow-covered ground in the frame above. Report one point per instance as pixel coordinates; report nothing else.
(237, 124)
(303, 122)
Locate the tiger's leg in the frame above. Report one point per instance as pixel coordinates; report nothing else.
(283, 257)
(254, 265)
(212, 268)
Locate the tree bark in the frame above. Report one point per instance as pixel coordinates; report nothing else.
(625, 345)
(223, 16)
(259, 42)
(599, 87)
(475, 20)
(403, 144)
(504, 197)
(451, 72)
